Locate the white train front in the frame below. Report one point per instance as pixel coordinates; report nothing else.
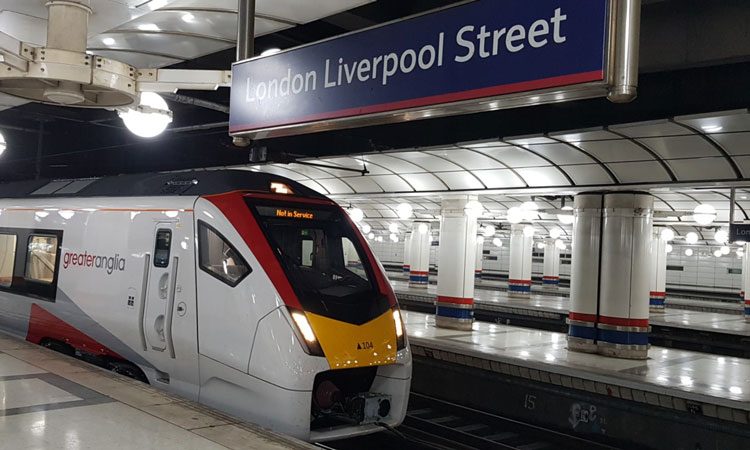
(243, 291)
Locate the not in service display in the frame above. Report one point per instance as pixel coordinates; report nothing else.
(473, 51)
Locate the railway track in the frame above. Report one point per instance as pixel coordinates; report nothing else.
(438, 425)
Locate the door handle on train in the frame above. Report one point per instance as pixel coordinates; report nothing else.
(171, 308)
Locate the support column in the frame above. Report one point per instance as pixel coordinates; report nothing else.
(626, 253)
(479, 258)
(419, 254)
(746, 281)
(551, 274)
(584, 273)
(521, 247)
(457, 254)
(407, 255)
(658, 281)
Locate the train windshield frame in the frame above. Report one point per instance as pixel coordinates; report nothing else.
(323, 258)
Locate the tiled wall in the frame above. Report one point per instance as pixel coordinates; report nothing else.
(702, 271)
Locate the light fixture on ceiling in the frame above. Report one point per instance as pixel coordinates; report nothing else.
(270, 51)
(423, 228)
(366, 228)
(704, 214)
(540, 245)
(721, 236)
(725, 250)
(150, 118)
(691, 238)
(3, 144)
(188, 18)
(669, 248)
(497, 242)
(356, 214)
(529, 211)
(689, 252)
(717, 253)
(108, 41)
(667, 234)
(555, 233)
(393, 228)
(480, 241)
(488, 231)
(371, 236)
(394, 238)
(567, 218)
(515, 215)
(528, 231)
(473, 208)
(404, 211)
(560, 244)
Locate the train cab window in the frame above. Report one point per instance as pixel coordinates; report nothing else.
(41, 259)
(218, 258)
(161, 250)
(7, 258)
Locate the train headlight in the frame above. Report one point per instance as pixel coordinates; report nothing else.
(400, 331)
(306, 333)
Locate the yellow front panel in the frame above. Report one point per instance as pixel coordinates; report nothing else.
(346, 345)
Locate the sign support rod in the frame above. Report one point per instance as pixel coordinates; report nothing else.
(732, 195)
(245, 29)
(626, 51)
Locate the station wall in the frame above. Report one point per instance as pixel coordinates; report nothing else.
(701, 271)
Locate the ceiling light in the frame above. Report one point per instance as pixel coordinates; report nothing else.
(721, 236)
(529, 211)
(667, 234)
(704, 214)
(691, 238)
(371, 236)
(366, 228)
(515, 215)
(150, 118)
(540, 245)
(480, 241)
(528, 231)
(473, 208)
(566, 219)
(3, 144)
(379, 239)
(555, 233)
(356, 214)
(689, 252)
(404, 211)
(393, 228)
(497, 242)
(108, 41)
(489, 231)
(725, 250)
(560, 244)
(423, 228)
(717, 253)
(189, 18)
(394, 238)
(669, 248)
(270, 51)
(148, 27)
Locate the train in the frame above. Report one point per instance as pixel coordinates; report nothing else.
(244, 291)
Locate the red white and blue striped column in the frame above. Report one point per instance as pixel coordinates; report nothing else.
(746, 281)
(479, 259)
(584, 273)
(407, 256)
(521, 247)
(551, 273)
(419, 254)
(658, 281)
(622, 328)
(457, 255)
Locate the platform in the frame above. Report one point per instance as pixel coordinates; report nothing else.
(681, 386)
(50, 401)
(552, 307)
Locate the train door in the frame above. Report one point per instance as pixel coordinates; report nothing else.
(169, 319)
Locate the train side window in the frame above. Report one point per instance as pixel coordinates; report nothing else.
(7, 258)
(163, 245)
(218, 258)
(41, 259)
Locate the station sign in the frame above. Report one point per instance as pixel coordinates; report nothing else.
(477, 56)
(739, 232)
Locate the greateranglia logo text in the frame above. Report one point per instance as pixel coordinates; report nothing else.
(108, 263)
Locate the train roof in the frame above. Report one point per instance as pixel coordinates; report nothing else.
(187, 183)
